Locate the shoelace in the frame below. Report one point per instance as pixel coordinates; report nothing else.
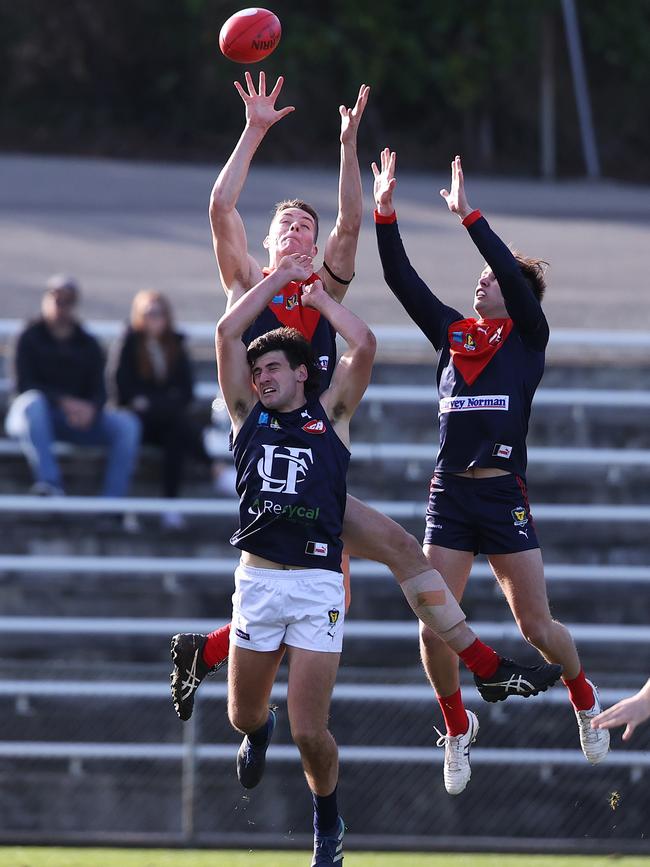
(453, 742)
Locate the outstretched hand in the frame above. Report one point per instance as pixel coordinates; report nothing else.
(260, 108)
(628, 712)
(351, 117)
(385, 182)
(296, 266)
(456, 198)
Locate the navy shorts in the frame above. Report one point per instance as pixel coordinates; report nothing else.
(486, 516)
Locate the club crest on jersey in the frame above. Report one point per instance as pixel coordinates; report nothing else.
(323, 362)
(315, 426)
(275, 424)
(519, 516)
(291, 465)
(470, 343)
(333, 615)
(292, 301)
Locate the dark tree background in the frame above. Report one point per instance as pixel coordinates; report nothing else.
(145, 79)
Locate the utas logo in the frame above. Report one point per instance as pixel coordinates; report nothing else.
(315, 426)
(283, 467)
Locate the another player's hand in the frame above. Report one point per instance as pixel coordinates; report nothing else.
(296, 266)
(456, 198)
(314, 295)
(260, 108)
(629, 712)
(385, 182)
(350, 117)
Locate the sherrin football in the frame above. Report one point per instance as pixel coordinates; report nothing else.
(250, 35)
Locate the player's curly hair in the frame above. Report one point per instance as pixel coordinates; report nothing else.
(297, 349)
(304, 206)
(534, 270)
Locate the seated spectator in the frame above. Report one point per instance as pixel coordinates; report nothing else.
(59, 372)
(151, 374)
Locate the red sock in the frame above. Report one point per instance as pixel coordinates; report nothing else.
(580, 692)
(480, 659)
(453, 710)
(216, 647)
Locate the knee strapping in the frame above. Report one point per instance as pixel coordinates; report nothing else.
(433, 602)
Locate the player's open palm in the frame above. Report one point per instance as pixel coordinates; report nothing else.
(260, 108)
(455, 197)
(351, 117)
(385, 182)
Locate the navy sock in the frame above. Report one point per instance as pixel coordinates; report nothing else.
(261, 735)
(326, 812)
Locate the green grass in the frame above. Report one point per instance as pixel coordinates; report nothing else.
(23, 856)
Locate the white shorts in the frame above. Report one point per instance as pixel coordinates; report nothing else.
(300, 607)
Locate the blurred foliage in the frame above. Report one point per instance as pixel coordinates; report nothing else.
(145, 78)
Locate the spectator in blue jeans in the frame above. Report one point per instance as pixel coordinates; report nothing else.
(59, 371)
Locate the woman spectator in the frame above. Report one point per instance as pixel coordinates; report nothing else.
(151, 374)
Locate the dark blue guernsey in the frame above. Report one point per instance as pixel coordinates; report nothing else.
(291, 472)
(488, 369)
(286, 309)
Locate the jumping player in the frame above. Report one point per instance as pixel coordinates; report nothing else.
(366, 533)
(488, 370)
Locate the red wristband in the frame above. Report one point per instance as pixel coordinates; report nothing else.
(380, 218)
(470, 219)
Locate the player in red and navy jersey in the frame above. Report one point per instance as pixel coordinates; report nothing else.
(366, 532)
(488, 369)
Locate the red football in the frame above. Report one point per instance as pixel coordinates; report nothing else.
(250, 35)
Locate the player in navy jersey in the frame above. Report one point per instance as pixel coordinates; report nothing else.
(291, 447)
(488, 369)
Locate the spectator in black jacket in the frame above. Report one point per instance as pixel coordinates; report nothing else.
(151, 374)
(59, 370)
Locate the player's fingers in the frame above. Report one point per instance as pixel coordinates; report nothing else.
(444, 194)
(374, 168)
(283, 112)
(240, 90)
(277, 87)
(249, 82)
(262, 84)
(629, 729)
(392, 161)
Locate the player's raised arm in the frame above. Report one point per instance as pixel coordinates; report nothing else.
(428, 312)
(238, 270)
(341, 246)
(353, 370)
(522, 305)
(234, 373)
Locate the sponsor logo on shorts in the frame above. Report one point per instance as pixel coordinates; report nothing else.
(476, 402)
(333, 615)
(315, 426)
(519, 516)
(323, 362)
(501, 450)
(318, 549)
(241, 634)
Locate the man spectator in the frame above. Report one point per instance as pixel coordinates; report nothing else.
(59, 383)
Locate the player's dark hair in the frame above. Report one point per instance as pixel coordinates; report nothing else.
(534, 271)
(304, 206)
(296, 349)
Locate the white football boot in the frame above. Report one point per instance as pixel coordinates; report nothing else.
(594, 742)
(457, 770)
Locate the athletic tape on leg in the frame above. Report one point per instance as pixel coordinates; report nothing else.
(433, 602)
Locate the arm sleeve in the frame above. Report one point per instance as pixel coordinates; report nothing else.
(429, 313)
(27, 370)
(523, 307)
